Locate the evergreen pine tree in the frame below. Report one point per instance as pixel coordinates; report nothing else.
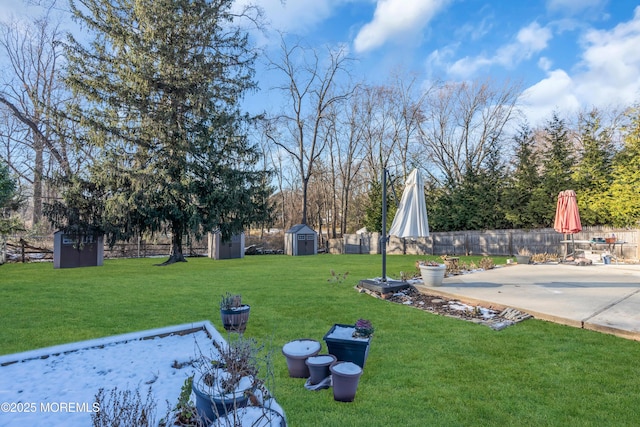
(623, 196)
(558, 160)
(160, 84)
(524, 182)
(593, 172)
(9, 202)
(373, 210)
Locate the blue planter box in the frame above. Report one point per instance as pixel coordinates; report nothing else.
(347, 350)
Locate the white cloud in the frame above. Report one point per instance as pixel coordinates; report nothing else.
(396, 17)
(611, 64)
(551, 88)
(529, 40)
(556, 92)
(467, 66)
(533, 38)
(607, 76)
(545, 63)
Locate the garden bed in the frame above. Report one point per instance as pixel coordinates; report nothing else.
(58, 385)
(437, 304)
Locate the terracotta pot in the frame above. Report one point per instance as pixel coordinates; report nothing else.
(345, 377)
(297, 352)
(319, 367)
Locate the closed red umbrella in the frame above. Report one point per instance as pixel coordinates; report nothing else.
(567, 215)
(567, 219)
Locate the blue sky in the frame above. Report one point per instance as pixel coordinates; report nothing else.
(567, 54)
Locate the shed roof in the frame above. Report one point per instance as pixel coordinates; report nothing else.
(300, 228)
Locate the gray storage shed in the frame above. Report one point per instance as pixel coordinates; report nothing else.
(71, 250)
(300, 240)
(217, 249)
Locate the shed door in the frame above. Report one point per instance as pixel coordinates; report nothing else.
(306, 244)
(231, 249)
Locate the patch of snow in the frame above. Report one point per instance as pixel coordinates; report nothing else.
(250, 416)
(217, 388)
(320, 360)
(300, 348)
(347, 368)
(56, 386)
(459, 306)
(484, 312)
(345, 333)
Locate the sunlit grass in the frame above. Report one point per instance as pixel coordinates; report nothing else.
(423, 369)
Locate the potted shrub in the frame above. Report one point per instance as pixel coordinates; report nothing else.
(227, 380)
(350, 343)
(432, 273)
(524, 256)
(297, 352)
(233, 313)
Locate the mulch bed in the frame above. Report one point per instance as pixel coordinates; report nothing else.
(443, 306)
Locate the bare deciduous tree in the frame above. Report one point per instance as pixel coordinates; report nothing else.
(311, 86)
(30, 93)
(465, 122)
(345, 151)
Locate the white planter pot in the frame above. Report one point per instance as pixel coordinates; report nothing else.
(433, 275)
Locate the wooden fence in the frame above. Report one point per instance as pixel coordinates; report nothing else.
(40, 248)
(490, 242)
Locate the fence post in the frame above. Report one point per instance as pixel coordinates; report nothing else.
(466, 244)
(510, 244)
(3, 249)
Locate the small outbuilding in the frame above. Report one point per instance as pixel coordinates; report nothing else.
(217, 249)
(70, 250)
(300, 240)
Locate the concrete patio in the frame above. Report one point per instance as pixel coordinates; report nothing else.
(599, 297)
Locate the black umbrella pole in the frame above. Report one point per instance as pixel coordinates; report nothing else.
(384, 225)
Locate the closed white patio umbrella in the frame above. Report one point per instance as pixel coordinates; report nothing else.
(411, 217)
(410, 221)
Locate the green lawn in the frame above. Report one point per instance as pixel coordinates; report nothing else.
(422, 369)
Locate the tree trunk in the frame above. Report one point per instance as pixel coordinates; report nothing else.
(37, 180)
(305, 186)
(176, 254)
(3, 250)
